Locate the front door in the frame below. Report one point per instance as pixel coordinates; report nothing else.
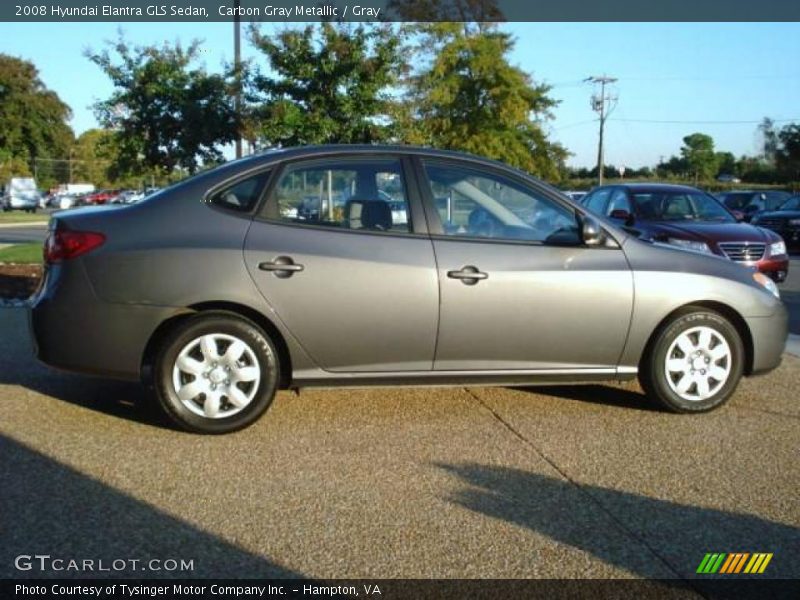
(518, 289)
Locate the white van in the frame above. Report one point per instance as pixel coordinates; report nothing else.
(21, 193)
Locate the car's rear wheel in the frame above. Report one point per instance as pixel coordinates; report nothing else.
(694, 363)
(216, 373)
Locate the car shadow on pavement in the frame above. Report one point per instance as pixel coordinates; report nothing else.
(47, 508)
(597, 394)
(614, 526)
(123, 399)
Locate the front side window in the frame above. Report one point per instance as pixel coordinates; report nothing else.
(477, 204)
(241, 196)
(366, 194)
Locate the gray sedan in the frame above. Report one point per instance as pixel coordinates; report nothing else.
(259, 275)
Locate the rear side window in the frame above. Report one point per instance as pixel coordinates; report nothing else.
(363, 194)
(241, 196)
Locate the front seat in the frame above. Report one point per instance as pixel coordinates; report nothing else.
(368, 214)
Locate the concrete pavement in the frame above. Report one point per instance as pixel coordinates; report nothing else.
(465, 482)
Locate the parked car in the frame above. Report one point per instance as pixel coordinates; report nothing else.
(218, 293)
(785, 221)
(100, 197)
(689, 218)
(20, 193)
(749, 202)
(728, 178)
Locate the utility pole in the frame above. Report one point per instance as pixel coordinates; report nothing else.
(602, 103)
(237, 66)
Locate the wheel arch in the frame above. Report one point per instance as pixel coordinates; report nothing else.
(239, 310)
(725, 310)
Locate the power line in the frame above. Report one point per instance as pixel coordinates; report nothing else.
(709, 122)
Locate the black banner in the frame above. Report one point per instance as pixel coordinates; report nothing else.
(398, 10)
(391, 589)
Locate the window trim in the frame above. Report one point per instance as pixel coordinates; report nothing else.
(432, 215)
(267, 210)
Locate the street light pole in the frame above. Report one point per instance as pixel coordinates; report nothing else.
(603, 104)
(237, 66)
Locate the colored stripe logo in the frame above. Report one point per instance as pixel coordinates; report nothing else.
(734, 563)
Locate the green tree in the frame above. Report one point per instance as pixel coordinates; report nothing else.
(788, 152)
(33, 119)
(470, 97)
(769, 139)
(166, 112)
(726, 163)
(698, 152)
(327, 83)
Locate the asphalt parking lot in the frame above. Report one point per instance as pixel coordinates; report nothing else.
(588, 482)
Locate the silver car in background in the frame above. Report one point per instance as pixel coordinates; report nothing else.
(225, 287)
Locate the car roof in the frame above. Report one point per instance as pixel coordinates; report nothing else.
(279, 154)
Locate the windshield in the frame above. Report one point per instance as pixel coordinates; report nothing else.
(680, 206)
(792, 203)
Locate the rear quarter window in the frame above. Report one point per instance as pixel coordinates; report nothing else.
(241, 196)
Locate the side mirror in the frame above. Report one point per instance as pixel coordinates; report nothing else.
(593, 234)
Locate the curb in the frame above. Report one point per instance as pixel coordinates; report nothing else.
(24, 224)
(792, 345)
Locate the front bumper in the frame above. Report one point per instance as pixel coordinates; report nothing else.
(769, 340)
(775, 267)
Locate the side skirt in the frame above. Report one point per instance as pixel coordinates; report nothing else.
(324, 379)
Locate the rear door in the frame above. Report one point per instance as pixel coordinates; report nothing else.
(342, 255)
(518, 289)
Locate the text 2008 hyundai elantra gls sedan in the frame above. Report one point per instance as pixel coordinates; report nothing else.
(369, 265)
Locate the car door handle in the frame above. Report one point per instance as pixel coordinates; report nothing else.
(283, 267)
(468, 275)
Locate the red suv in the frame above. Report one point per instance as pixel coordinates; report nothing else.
(692, 219)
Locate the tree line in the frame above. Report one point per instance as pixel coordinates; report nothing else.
(448, 85)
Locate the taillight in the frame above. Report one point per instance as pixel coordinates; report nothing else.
(66, 244)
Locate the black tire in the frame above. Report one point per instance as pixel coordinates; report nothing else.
(215, 323)
(653, 374)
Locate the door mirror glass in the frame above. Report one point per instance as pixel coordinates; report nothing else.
(620, 213)
(593, 234)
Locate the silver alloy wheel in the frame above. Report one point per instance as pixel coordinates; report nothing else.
(698, 363)
(216, 375)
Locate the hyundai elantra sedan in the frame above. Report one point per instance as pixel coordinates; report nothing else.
(295, 268)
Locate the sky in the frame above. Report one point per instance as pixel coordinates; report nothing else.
(674, 79)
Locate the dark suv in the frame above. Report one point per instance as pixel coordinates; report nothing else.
(785, 221)
(750, 202)
(692, 219)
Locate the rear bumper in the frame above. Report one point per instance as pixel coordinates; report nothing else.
(74, 331)
(769, 340)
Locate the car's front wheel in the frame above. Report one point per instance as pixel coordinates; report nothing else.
(694, 363)
(216, 373)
